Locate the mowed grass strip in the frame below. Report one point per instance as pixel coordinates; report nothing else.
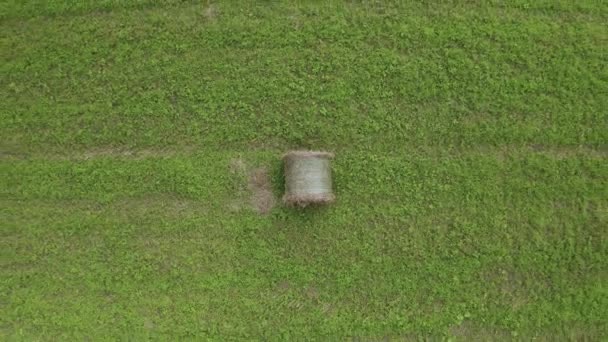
(428, 241)
(305, 75)
(140, 162)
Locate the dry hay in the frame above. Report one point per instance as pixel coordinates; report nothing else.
(312, 188)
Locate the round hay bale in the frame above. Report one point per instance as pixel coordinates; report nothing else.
(308, 178)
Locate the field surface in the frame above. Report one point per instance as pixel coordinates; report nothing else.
(140, 171)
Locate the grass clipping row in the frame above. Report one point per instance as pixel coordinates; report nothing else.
(308, 178)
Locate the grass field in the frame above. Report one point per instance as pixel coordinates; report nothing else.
(141, 174)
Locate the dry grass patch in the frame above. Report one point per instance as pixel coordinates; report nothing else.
(253, 188)
(262, 198)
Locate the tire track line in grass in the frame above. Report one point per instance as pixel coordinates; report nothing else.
(556, 152)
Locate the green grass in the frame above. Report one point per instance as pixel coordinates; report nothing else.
(471, 170)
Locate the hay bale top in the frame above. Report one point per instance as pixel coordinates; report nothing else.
(308, 154)
(308, 178)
